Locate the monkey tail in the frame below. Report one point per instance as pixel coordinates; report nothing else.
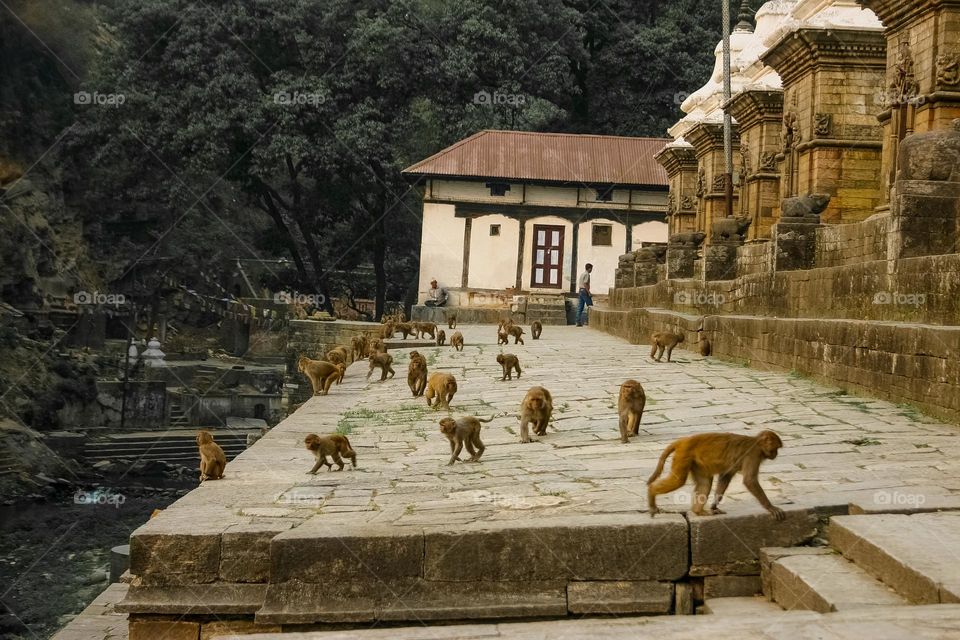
(663, 460)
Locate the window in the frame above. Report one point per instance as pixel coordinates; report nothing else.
(603, 235)
(604, 194)
(498, 188)
(494, 229)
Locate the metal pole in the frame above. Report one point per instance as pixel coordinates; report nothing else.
(727, 119)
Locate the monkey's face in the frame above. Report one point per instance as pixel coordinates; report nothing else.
(447, 425)
(301, 364)
(500, 358)
(770, 444)
(310, 441)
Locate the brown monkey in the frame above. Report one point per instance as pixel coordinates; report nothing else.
(664, 340)
(441, 337)
(426, 328)
(417, 374)
(709, 454)
(375, 347)
(212, 459)
(705, 348)
(359, 344)
(338, 355)
(463, 431)
(383, 362)
(456, 341)
(406, 329)
(537, 407)
(452, 321)
(322, 374)
(516, 331)
(441, 386)
(509, 362)
(630, 406)
(536, 329)
(502, 336)
(387, 330)
(333, 445)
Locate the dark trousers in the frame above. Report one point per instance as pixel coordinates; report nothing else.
(586, 300)
(434, 303)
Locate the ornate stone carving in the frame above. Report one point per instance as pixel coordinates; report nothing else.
(729, 229)
(671, 204)
(822, 125)
(720, 182)
(790, 135)
(701, 182)
(948, 70)
(687, 204)
(804, 208)
(904, 87)
(745, 168)
(768, 162)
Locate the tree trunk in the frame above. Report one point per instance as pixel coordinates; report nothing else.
(379, 267)
(270, 207)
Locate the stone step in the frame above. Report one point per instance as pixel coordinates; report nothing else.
(826, 583)
(739, 607)
(910, 553)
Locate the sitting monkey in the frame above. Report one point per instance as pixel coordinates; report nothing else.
(212, 458)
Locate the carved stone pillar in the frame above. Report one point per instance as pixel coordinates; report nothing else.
(707, 141)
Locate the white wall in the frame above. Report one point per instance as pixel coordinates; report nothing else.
(567, 250)
(441, 247)
(650, 232)
(603, 258)
(493, 259)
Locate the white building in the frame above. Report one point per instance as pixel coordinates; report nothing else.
(507, 211)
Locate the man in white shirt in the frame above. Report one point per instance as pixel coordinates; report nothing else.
(438, 295)
(586, 300)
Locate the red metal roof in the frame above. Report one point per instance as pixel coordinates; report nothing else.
(551, 157)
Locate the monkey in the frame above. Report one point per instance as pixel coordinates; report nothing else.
(463, 431)
(387, 330)
(705, 348)
(536, 329)
(452, 321)
(376, 346)
(537, 407)
(333, 445)
(338, 355)
(664, 340)
(509, 362)
(212, 459)
(322, 374)
(456, 341)
(441, 386)
(426, 328)
(383, 362)
(708, 454)
(441, 337)
(417, 374)
(630, 406)
(405, 328)
(359, 344)
(502, 336)
(516, 331)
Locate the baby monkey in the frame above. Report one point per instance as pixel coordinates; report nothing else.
(333, 445)
(509, 362)
(463, 431)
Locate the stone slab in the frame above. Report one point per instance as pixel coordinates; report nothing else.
(99, 620)
(620, 597)
(198, 599)
(740, 607)
(825, 583)
(730, 586)
(909, 502)
(768, 555)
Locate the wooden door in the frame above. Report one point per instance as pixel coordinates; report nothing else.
(547, 257)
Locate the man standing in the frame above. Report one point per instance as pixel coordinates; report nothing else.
(438, 295)
(586, 300)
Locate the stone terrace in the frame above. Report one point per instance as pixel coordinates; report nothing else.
(517, 532)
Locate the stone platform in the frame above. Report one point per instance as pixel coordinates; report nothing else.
(551, 528)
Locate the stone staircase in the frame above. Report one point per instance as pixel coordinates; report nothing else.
(173, 445)
(177, 417)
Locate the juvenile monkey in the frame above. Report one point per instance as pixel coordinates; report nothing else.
(452, 321)
(456, 341)
(417, 374)
(375, 347)
(708, 454)
(359, 344)
(322, 374)
(333, 445)
(705, 348)
(664, 340)
(441, 337)
(426, 328)
(630, 406)
(441, 386)
(212, 459)
(387, 330)
(383, 361)
(509, 362)
(537, 407)
(516, 331)
(502, 336)
(463, 431)
(406, 329)
(536, 329)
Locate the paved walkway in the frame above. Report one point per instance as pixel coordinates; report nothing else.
(838, 448)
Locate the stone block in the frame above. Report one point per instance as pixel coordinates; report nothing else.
(245, 551)
(152, 629)
(768, 555)
(220, 628)
(199, 599)
(176, 557)
(731, 586)
(730, 544)
(642, 598)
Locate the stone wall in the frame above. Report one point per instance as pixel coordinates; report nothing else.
(842, 244)
(313, 339)
(755, 257)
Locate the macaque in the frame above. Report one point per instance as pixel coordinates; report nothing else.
(516, 331)
(509, 362)
(406, 329)
(463, 431)
(212, 459)
(376, 346)
(333, 445)
(630, 406)
(452, 321)
(338, 355)
(426, 329)
(502, 336)
(387, 330)
(441, 337)
(322, 374)
(441, 386)
(708, 454)
(417, 374)
(456, 341)
(536, 329)
(359, 344)
(381, 361)
(537, 407)
(664, 340)
(705, 348)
